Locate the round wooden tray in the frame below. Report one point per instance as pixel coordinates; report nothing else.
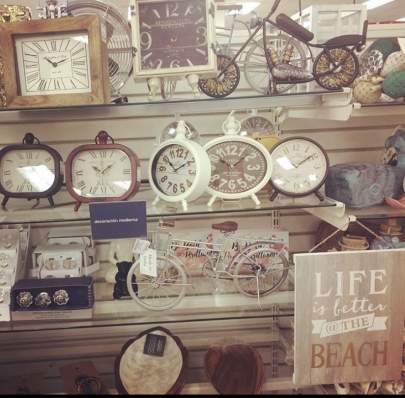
(138, 373)
(235, 369)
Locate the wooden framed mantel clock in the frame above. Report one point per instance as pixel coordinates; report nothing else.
(173, 38)
(58, 62)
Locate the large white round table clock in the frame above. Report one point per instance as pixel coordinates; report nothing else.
(179, 169)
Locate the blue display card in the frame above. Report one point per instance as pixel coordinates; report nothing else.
(118, 220)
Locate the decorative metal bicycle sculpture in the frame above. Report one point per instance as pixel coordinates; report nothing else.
(280, 61)
(257, 269)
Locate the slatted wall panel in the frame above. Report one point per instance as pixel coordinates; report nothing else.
(359, 139)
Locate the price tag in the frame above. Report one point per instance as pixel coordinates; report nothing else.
(140, 246)
(148, 262)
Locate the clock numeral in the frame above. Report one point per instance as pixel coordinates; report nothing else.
(182, 188)
(163, 179)
(9, 184)
(249, 177)
(93, 155)
(38, 46)
(156, 12)
(79, 173)
(53, 45)
(42, 85)
(77, 51)
(32, 77)
(73, 83)
(78, 73)
(189, 183)
(171, 10)
(127, 171)
(7, 172)
(162, 169)
(28, 155)
(82, 185)
(125, 157)
(31, 65)
(146, 40)
(200, 51)
(103, 154)
(78, 62)
(189, 10)
(202, 36)
(103, 189)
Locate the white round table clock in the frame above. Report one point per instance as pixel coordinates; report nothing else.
(179, 169)
(241, 166)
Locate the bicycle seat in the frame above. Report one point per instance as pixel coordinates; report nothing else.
(227, 226)
(294, 28)
(344, 40)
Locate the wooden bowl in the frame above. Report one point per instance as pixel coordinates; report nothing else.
(235, 369)
(139, 373)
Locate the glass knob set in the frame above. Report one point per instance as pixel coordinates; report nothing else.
(43, 299)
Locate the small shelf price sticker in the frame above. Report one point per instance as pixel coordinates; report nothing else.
(148, 261)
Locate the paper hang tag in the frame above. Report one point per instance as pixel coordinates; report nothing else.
(140, 246)
(148, 262)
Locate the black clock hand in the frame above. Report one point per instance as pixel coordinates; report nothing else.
(54, 64)
(107, 168)
(303, 161)
(234, 165)
(63, 60)
(224, 162)
(171, 165)
(188, 162)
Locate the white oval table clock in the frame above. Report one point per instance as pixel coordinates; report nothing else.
(179, 169)
(240, 165)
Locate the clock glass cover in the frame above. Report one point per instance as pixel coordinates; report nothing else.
(53, 64)
(27, 171)
(300, 166)
(105, 173)
(173, 34)
(174, 170)
(237, 167)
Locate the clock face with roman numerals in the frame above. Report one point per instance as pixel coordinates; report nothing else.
(53, 64)
(27, 171)
(173, 34)
(102, 173)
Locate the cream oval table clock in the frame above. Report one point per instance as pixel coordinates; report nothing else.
(173, 39)
(179, 169)
(240, 166)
